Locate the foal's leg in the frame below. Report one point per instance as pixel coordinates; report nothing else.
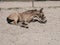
(36, 19)
(24, 24)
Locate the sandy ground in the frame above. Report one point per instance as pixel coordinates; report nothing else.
(37, 34)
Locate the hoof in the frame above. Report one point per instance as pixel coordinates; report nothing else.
(24, 26)
(35, 20)
(27, 27)
(43, 21)
(24, 23)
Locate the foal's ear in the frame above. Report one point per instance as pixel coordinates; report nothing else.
(41, 10)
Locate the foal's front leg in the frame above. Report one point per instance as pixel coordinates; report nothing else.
(36, 19)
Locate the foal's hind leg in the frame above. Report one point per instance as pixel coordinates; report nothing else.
(25, 25)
